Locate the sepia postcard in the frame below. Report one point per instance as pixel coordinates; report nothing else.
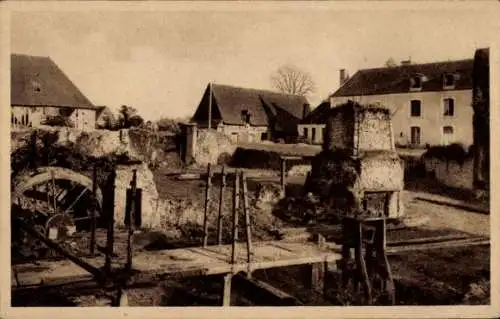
(249, 159)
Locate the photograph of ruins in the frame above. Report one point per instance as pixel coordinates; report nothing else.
(239, 157)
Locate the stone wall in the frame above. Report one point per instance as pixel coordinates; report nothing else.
(451, 173)
(337, 132)
(150, 214)
(374, 132)
(213, 147)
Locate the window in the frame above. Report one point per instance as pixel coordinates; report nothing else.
(415, 135)
(416, 83)
(449, 107)
(313, 134)
(415, 107)
(263, 136)
(36, 86)
(245, 116)
(449, 80)
(305, 132)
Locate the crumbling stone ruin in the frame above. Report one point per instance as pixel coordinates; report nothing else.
(358, 166)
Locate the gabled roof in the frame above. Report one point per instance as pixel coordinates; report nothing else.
(318, 115)
(228, 102)
(38, 81)
(389, 80)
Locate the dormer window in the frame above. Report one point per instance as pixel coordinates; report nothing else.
(36, 86)
(416, 83)
(449, 81)
(245, 116)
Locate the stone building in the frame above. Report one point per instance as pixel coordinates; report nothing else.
(312, 127)
(430, 103)
(250, 115)
(41, 92)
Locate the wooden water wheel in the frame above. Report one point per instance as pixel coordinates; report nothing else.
(58, 201)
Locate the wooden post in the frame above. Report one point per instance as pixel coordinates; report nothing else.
(207, 204)
(111, 219)
(247, 217)
(235, 215)
(361, 264)
(318, 277)
(318, 270)
(34, 150)
(226, 290)
(221, 203)
(93, 220)
(131, 221)
(210, 106)
(283, 174)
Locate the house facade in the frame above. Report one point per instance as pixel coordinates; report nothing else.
(42, 94)
(312, 128)
(250, 115)
(430, 103)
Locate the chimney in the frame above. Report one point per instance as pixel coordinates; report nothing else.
(343, 77)
(305, 110)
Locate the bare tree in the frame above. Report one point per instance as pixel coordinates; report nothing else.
(292, 80)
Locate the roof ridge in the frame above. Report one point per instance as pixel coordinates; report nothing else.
(31, 56)
(256, 90)
(415, 64)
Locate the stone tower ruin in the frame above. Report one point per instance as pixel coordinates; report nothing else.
(358, 170)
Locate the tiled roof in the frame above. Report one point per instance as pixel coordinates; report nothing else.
(38, 81)
(265, 107)
(318, 115)
(397, 79)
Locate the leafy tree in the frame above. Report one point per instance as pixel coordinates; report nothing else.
(390, 63)
(135, 121)
(128, 117)
(292, 80)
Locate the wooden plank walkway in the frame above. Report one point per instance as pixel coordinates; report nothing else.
(211, 260)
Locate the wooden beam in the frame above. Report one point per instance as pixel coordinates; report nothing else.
(226, 290)
(265, 294)
(110, 207)
(53, 245)
(283, 174)
(221, 203)
(131, 221)
(247, 219)
(93, 220)
(76, 200)
(236, 203)
(207, 205)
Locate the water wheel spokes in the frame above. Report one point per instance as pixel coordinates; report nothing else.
(60, 201)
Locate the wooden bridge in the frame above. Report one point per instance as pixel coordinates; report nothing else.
(210, 260)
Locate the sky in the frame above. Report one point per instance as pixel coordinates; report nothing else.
(160, 61)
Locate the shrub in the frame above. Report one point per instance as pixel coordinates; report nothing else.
(58, 120)
(454, 152)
